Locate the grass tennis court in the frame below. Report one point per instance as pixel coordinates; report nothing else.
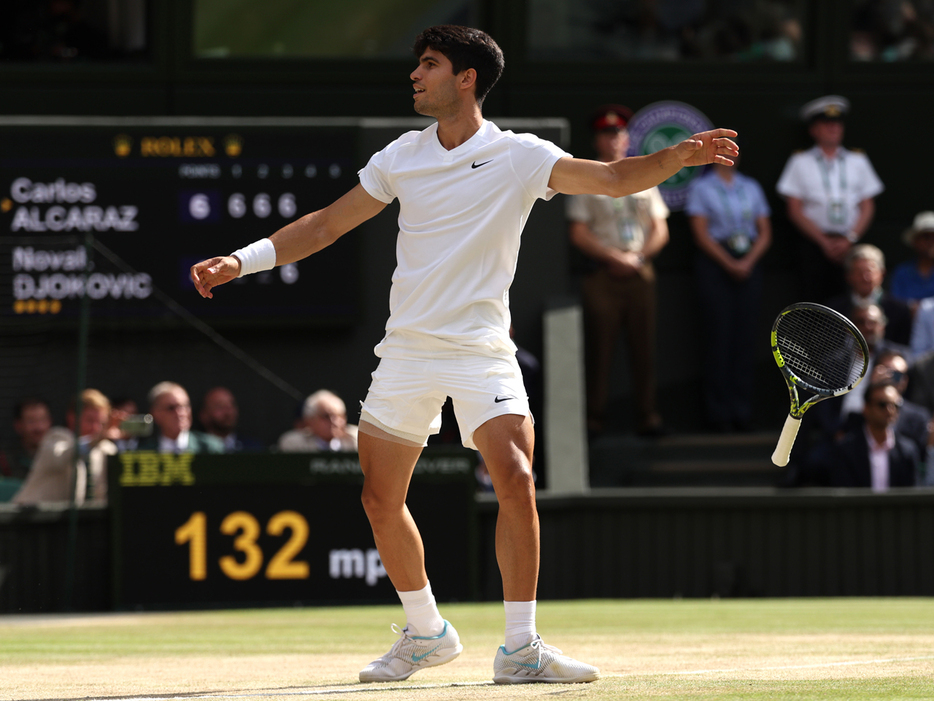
(684, 649)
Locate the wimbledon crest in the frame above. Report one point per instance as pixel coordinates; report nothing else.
(663, 124)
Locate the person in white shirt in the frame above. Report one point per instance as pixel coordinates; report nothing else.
(465, 190)
(830, 197)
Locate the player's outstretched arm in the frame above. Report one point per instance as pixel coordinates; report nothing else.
(291, 243)
(576, 176)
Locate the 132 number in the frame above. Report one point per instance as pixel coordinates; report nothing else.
(246, 529)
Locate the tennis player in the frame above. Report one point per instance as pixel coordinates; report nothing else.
(465, 190)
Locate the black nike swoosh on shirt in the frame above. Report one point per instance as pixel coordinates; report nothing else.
(501, 399)
(477, 165)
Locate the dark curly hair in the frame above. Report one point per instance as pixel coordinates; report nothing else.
(465, 48)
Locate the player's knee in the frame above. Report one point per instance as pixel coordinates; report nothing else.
(515, 481)
(373, 503)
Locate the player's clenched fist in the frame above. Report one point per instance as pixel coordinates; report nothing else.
(212, 272)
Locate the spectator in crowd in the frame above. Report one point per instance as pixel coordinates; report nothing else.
(921, 381)
(922, 328)
(913, 419)
(219, 416)
(874, 454)
(830, 196)
(325, 427)
(913, 280)
(52, 477)
(865, 272)
(31, 420)
(828, 416)
(620, 236)
(729, 218)
(171, 412)
(122, 410)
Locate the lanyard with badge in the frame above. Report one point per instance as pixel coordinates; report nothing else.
(836, 214)
(627, 226)
(739, 242)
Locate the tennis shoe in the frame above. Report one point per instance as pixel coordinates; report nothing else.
(411, 653)
(538, 662)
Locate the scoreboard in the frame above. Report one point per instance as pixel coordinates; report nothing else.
(122, 207)
(279, 528)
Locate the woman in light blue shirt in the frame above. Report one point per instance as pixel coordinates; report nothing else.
(729, 218)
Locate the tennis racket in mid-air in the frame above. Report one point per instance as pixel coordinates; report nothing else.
(818, 350)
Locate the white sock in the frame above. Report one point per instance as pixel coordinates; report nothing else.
(421, 612)
(520, 624)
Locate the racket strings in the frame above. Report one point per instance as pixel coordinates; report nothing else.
(820, 349)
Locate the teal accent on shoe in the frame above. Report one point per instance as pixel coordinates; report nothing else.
(506, 652)
(444, 631)
(419, 658)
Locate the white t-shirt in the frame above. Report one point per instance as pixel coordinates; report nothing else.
(830, 190)
(460, 219)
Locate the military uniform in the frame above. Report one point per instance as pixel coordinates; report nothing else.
(831, 190)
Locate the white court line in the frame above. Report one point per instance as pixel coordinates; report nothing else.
(260, 693)
(846, 663)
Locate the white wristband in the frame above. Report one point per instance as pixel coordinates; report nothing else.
(258, 256)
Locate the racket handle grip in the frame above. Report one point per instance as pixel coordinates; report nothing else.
(786, 441)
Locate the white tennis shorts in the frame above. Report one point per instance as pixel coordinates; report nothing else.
(406, 395)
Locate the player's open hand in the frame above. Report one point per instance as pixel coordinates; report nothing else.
(706, 147)
(212, 272)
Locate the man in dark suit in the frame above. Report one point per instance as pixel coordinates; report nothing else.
(171, 413)
(873, 454)
(865, 272)
(220, 415)
(913, 419)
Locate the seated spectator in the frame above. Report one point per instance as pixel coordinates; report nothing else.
(872, 323)
(52, 477)
(121, 410)
(864, 267)
(325, 427)
(31, 420)
(219, 416)
(171, 413)
(913, 280)
(913, 419)
(921, 381)
(922, 329)
(874, 454)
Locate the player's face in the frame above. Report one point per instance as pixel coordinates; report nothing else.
(435, 85)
